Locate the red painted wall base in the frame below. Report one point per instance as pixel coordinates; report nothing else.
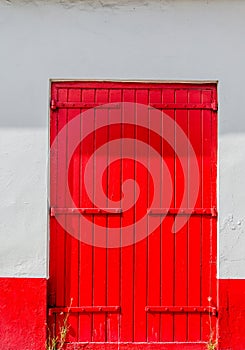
(22, 313)
(23, 309)
(232, 314)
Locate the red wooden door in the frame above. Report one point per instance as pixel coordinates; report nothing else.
(133, 214)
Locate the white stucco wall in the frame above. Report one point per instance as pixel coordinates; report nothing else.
(111, 39)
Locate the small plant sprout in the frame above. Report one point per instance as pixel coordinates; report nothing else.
(212, 342)
(57, 342)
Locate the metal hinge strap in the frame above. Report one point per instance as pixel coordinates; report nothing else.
(183, 211)
(182, 309)
(85, 309)
(82, 105)
(84, 211)
(213, 106)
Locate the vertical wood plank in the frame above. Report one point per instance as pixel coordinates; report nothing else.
(72, 243)
(181, 240)
(154, 239)
(195, 222)
(127, 253)
(141, 176)
(167, 243)
(86, 251)
(100, 256)
(60, 256)
(114, 194)
(53, 202)
(207, 222)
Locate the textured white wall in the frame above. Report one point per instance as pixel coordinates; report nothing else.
(111, 39)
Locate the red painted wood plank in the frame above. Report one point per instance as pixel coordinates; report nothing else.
(114, 194)
(100, 254)
(167, 243)
(181, 237)
(206, 223)
(213, 257)
(141, 176)
(72, 244)
(154, 239)
(195, 223)
(60, 201)
(86, 251)
(53, 194)
(61, 233)
(127, 253)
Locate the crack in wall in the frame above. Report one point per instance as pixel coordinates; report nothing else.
(232, 244)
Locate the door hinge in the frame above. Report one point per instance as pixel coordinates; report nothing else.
(53, 105)
(214, 106)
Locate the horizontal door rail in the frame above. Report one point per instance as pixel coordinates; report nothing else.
(213, 106)
(183, 211)
(182, 309)
(55, 105)
(85, 211)
(85, 309)
(83, 105)
(153, 211)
